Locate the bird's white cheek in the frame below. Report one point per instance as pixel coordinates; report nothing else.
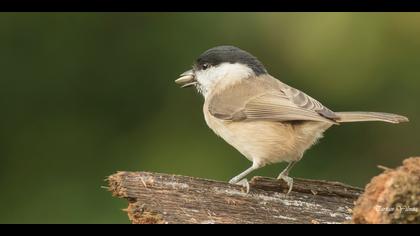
(208, 79)
(222, 75)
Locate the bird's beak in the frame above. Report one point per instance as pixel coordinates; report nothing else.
(186, 79)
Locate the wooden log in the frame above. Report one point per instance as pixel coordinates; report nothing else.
(163, 198)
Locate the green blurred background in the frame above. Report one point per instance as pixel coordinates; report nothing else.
(86, 94)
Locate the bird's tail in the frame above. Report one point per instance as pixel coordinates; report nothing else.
(358, 116)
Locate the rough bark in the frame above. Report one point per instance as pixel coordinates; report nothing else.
(163, 198)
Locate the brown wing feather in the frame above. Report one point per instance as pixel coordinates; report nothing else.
(303, 100)
(266, 98)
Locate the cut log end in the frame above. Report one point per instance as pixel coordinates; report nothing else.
(392, 197)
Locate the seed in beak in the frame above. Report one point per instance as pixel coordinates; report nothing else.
(184, 79)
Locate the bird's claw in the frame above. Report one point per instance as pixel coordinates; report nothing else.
(288, 180)
(244, 183)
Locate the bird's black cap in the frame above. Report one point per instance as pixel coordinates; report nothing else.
(230, 54)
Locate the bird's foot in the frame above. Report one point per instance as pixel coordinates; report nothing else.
(288, 180)
(244, 183)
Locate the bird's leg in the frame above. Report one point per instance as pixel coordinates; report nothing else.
(284, 175)
(239, 179)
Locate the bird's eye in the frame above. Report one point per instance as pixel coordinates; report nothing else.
(206, 66)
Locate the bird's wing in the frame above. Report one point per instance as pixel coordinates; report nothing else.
(266, 98)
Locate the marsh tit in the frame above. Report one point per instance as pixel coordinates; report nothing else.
(266, 120)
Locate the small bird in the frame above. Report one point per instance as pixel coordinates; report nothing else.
(265, 119)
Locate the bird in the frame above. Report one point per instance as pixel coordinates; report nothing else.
(263, 118)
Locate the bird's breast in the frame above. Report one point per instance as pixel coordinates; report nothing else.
(261, 141)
